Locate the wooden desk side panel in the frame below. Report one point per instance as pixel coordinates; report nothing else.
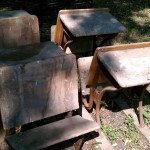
(38, 90)
(95, 74)
(16, 31)
(58, 32)
(72, 11)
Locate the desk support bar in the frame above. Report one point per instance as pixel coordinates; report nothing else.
(96, 96)
(140, 90)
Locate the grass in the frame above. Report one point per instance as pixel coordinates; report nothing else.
(127, 133)
(134, 14)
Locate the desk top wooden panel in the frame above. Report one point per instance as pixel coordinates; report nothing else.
(87, 23)
(130, 67)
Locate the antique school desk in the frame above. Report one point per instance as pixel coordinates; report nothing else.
(40, 81)
(113, 68)
(86, 23)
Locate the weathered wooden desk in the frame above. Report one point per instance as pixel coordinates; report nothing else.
(115, 68)
(86, 23)
(36, 82)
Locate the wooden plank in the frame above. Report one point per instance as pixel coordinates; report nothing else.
(127, 65)
(105, 143)
(124, 46)
(86, 23)
(84, 66)
(53, 30)
(59, 27)
(59, 31)
(95, 73)
(29, 53)
(16, 31)
(38, 89)
(14, 13)
(72, 11)
(47, 135)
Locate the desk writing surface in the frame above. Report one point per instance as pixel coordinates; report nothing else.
(130, 67)
(91, 23)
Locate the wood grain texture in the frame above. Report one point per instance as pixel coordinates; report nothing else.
(47, 135)
(95, 73)
(84, 67)
(38, 88)
(87, 23)
(59, 28)
(16, 31)
(14, 13)
(130, 67)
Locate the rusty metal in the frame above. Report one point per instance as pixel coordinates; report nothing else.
(96, 96)
(66, 44)
(141, 106)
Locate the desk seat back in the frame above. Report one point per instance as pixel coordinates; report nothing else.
(20, 30)
(39, 89)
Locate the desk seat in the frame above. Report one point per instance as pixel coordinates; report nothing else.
(50, 134)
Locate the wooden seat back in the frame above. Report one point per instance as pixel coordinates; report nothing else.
(34, 89)
(18, 30)
(13, 13)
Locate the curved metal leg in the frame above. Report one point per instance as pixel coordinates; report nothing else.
(97, 99)
(66, 44)
(90, 104)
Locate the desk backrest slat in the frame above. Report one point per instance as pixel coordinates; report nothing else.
(16, 31)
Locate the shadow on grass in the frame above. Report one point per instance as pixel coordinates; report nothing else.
(134, 14)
